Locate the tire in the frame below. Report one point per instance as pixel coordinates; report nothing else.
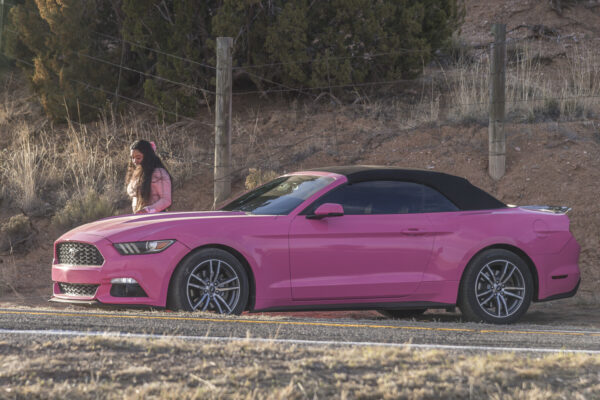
(400, 314)
(209, 280)
(497, 288)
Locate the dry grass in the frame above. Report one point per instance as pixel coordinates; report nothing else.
(22, 169)
(167, 369)
(530, 94)
(43, 167)
(8, 276)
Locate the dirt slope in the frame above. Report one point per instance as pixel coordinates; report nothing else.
(548, 162)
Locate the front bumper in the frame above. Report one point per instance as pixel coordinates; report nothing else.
(83, 283)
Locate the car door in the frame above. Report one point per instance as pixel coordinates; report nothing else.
(379, 248)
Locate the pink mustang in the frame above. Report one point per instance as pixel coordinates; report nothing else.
(395, 240)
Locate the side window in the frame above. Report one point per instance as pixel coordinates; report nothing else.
(385, 197)
(434, 201)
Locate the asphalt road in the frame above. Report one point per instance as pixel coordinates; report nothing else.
(430, 331)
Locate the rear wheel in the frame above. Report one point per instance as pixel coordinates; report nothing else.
(497, 287)
(210, 280)
(399, 314)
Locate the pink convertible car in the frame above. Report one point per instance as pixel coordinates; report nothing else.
(396, 240)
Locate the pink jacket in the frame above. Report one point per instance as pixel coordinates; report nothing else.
(160, 192)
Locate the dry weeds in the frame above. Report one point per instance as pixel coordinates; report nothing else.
(531, 95)
(172, 369)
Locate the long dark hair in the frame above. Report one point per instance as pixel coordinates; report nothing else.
(150, 162)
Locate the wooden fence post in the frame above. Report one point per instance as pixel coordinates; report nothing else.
(222, 177)
(497, 137)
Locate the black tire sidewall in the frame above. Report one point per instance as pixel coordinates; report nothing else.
(468, 303)
(177, 296)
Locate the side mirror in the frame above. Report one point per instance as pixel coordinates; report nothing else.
(327, 210)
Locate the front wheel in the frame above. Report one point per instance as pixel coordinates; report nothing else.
(210, 280)
(497, 287)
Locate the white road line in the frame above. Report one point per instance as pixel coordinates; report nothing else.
(290, 341)
(533, 330)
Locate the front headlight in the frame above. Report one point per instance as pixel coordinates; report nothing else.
(148, 247)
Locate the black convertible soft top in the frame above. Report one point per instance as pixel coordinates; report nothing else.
(458, 190)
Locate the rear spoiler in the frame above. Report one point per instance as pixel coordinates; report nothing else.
(549, 209)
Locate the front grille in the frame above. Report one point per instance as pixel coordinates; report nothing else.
(75, 253)
(78, 289)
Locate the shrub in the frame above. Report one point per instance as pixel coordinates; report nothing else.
(15, 232)
(82, 209)
(257, 177)
(72, 50)
(335, 42)
(53, 41)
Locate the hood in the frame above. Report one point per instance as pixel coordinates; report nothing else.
(146, 224)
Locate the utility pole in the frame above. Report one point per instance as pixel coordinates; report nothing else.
(222, 176)
(497, 137)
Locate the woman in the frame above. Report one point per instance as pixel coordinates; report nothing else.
(148, 182)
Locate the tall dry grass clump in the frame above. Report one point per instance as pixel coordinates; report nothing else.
(580, 86)
(24, 168)
(530, 93)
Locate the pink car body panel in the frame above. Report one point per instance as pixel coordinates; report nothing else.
(352, 259)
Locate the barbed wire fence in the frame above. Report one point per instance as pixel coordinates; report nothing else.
(454, 105)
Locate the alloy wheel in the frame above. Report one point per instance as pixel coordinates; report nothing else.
(213, 285)
(500, 288)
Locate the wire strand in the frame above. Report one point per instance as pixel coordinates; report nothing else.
(156, 50)
(144, 73)
(160, 109)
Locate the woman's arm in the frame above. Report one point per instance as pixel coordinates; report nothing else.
(160, 192)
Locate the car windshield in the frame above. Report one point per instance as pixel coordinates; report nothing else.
(280, 196)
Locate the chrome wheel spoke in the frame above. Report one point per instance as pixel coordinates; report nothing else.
(485, 293)
(195, 286)
(195, 306)
(503, 272)
(483, 303)
(207, 303)
(486, 277)
(218, 271)
(503, 302)
(516, 296)
(519, 289)
(227, 281)
(218, 297)
(202, 281)
(498, 306)
(216, 302)
(509, 275)
(227, 289)
(199, 279)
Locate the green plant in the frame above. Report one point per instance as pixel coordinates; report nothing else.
(17, 230)
(53, 41)
(81, 209)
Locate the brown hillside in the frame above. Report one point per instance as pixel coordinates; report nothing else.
(553, 152)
